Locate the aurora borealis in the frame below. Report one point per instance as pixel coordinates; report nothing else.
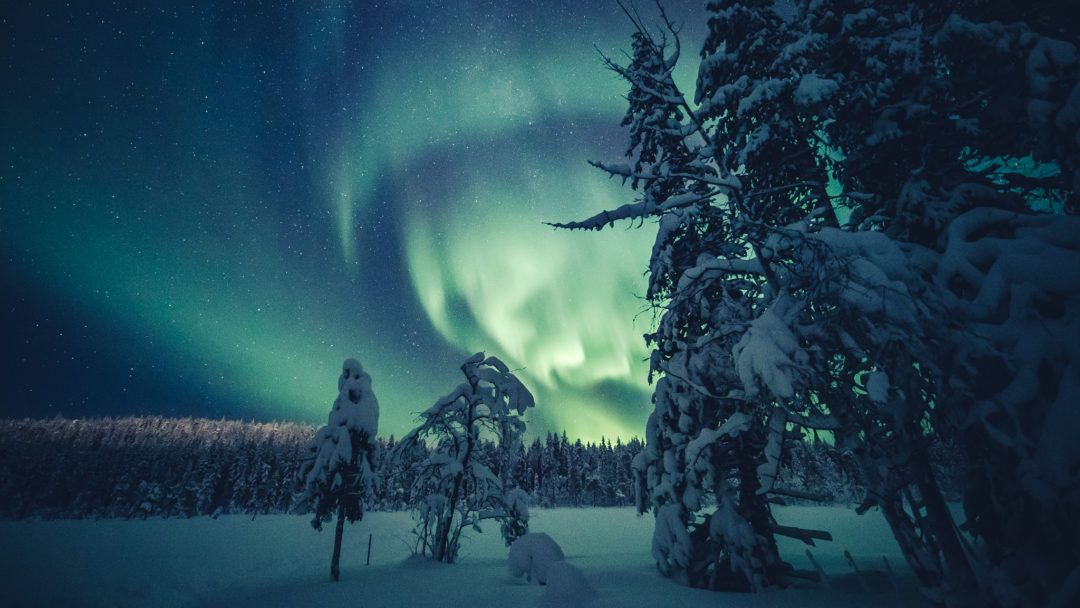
(205, 209)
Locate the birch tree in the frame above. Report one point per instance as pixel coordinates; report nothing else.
(457, 486)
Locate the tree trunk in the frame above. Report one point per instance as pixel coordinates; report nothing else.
(442, 532)
(959, 577)
(755, 508)
(335, 570)
(445, 551)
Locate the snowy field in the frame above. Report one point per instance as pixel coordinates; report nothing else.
(279, 560)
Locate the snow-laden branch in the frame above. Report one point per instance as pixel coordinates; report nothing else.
(728, 184)
(635, 211)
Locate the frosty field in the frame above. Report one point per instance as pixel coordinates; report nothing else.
(279, 560)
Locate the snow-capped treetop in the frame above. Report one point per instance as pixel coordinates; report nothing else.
(812, 88)
(491, 398)
(356, 407)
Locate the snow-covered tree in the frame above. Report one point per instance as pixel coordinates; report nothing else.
(965, 153)
(712, 442)
(339, 477)
(893, 312)
(456, 487)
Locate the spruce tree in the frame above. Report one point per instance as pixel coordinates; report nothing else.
(339, 477)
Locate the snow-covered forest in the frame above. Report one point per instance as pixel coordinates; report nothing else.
(162, 467)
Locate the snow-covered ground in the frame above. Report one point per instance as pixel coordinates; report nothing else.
(279, 560)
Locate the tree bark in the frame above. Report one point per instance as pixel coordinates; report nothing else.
(335, 570)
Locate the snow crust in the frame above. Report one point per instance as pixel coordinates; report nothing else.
(877, 386)
(518, 501)
(671, 545)
(767, 351)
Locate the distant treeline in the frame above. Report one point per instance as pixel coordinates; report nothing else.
(165, 467)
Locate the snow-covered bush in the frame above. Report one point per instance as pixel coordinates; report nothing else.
(532, 556)
(339, 476)
(457, 485)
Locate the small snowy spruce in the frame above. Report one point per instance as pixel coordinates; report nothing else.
(339, 476)
(456, 485)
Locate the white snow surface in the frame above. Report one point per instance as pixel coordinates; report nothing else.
(567, 587)
(278, 560)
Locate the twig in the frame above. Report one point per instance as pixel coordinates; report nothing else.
(892, 577)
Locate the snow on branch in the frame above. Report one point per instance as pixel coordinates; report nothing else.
(629, 211)
(769, 354)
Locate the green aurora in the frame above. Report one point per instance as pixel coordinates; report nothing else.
(211, 226)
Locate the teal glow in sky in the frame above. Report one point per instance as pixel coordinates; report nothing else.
(204, 210)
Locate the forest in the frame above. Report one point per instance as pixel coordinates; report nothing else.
(150, 466)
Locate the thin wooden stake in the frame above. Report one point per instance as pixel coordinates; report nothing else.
(858, 573)
(892, 577)
(820, 571)
(368, 563)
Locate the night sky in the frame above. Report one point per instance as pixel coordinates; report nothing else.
(205, 207)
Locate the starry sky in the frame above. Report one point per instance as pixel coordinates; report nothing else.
(206, 207)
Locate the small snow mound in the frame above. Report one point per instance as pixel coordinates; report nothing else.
(532, 555)
(567, 587)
